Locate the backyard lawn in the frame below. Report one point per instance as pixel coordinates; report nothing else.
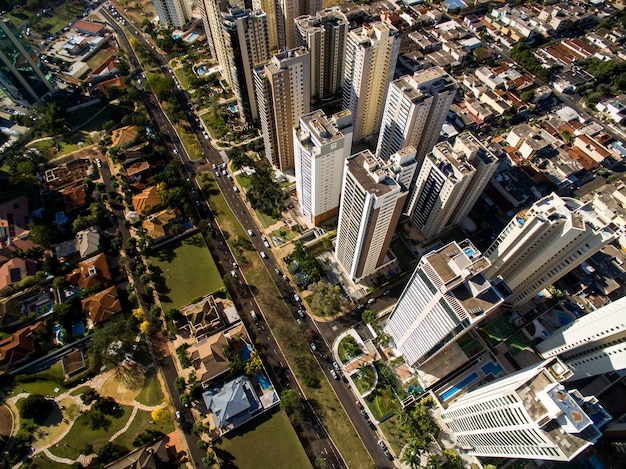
(247, 447)
(382, 402)
(151, 393)
(44, 382)
(171, 265)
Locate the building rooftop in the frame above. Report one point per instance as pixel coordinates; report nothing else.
(368, 170)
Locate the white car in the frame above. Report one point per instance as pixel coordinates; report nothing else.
(313, 347)
(99, 162)
(263, 255)
(214, 166)
(251, 233)
(371, 300)
(267, 245)
(217, 173)
(334, 375)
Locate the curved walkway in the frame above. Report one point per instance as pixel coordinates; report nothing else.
(96, 383)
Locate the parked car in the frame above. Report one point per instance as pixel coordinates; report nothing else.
(263, 255)
(333, 374)
(359, 405)
(371, 425)
(364, 414)
(371, 300)
(313, 347)
(388, 454)
(255, 316)
(301, 314)
(336, 366)
(382, 444)
(267, 244)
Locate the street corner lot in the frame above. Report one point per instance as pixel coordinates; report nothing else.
(183, 270)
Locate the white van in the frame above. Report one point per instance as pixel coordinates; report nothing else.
(255, 317)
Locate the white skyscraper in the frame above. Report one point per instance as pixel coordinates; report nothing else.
(324, 35)
(173, 13)
(370, 62)
(448, 184)
(446, 295)
(371, 204)
(283, 94)
(593, 344)
(527, 415)
(238, 40)
(321, 147)
(543, 243)
(415, 111)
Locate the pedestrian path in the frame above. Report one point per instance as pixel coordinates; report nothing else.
(96, 383)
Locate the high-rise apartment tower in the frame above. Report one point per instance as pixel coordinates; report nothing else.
(371, 203)
(22, 76)
(593, 344)
(286, 13)
(543, 243)
(283, 94)
(324, 35)
(173, 13)
(415, 111)
(370, 62)
(451, 179)
(527, 415)
(321, 147)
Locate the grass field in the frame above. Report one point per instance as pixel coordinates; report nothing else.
(151, 393)
(183, 270)
(44, 382)
(296, 350)
(248, 446)
(140, 424)
(82, 434)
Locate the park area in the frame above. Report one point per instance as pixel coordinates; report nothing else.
(183, 270)
(247, 447)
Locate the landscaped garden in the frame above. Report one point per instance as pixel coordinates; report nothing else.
(245, 448)
(175, 283)
(385, 398)
(364, 378)
(348, 349)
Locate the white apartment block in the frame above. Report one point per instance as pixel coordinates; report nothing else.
(371, 205)
(593, 344)
(527, 415)
(321, 147)
(543, 243)
(371, 56)
(173, 13)
(415, 111)
(448, 184)
(324, 35)
(446, 295)
(283, 91)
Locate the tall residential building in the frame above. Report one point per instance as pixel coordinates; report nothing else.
(324, 35)
(238, 40)
(269, 8)
(371, 205)
(283, 95)
(173, 13)
(593, 344)
(415, 111)
(543, 243)
(528, 415)
(321, 147)
(446, 295)
(286, 13)
(22, 76)
(371, 55)
(448, 184)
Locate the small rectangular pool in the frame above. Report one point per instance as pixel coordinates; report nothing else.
(491, 368)
(458, 386)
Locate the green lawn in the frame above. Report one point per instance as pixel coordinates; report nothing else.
(364, 378)
(82, 434)
(151, 393)
(394, 433)
(286, 233)
(40, 460)
(140, 424)
(44, 382)
(183, 270)
(382, 402)
(247, 447)
(498, 329)
(190, 142)
(266, 220)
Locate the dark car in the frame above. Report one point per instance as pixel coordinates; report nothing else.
(371, 425)
(359, 405)
(388, 455)
(364, 414)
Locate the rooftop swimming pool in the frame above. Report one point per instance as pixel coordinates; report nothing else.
(455, 388)
(491, 368)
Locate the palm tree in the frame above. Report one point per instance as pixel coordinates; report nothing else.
(413, 451)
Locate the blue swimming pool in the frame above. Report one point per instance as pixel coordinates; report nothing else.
(246, 350)
(458, 386)
(469, 252)
(57, 333)
(233, 108)
(192, 36)
(563, 319)
(452, 4)
(491, 368)
(263, 381)
(78, 329)
(201, 70)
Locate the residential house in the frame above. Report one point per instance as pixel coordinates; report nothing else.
(100, 306)
(157, 225)
(74, 171)
(88, 241)
(15, 270)
(75, 197)
(592, 148)
(138, 171)
(203, 316)
(32, 301)
(72, 363)
(151, 456)
(528, 141)
(146, 199)
(90, 272)
(233, 404)
(14, 219)
(208, 357)
(116, 82)
(614, 108)
(20, 345)
(124, 136)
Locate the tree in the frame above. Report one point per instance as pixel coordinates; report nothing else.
(413, 452)
(44, 235)
(138, 314)
(290, 401)
(326, 298)
(109, 453)
(35, 407)
(368, 316)
(253, 364)
(144, 327)
(160, 414)
(180, 385)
